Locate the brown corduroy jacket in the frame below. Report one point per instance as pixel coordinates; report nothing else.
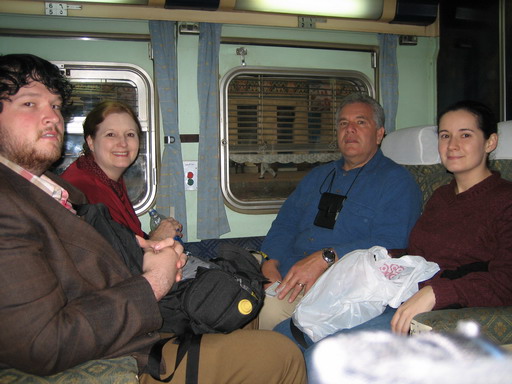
(65, 295)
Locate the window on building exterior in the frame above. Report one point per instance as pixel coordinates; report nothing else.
(277, 126)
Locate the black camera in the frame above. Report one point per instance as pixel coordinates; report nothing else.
(329, 207)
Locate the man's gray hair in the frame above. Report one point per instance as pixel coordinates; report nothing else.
(378, 111)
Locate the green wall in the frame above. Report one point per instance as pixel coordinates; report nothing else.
(416, 70)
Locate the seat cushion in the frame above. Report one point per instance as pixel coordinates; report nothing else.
(122, 370)
(429, 178)
(495, 322)
(504, 167)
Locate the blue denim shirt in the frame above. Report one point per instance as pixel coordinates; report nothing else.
(382, 205)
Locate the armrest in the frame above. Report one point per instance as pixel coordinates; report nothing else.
(495, 322)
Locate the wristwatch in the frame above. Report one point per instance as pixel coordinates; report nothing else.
(329, 255)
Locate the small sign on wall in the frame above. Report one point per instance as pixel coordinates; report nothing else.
(59, 9)
(190, 172)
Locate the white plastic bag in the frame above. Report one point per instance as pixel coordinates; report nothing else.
(358, 288)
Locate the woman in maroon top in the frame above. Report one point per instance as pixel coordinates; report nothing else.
(466, 226)
(112, 133)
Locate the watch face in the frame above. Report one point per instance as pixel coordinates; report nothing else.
(329, 256)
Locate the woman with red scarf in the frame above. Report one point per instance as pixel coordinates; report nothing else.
(112, 133)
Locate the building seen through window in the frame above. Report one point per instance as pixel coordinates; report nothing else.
(278, 126)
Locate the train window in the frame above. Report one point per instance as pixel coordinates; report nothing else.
(96, 82)
(277, 125)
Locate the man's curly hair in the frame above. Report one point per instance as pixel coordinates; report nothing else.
(18, 70)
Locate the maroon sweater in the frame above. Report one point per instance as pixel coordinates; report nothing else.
(457, 230)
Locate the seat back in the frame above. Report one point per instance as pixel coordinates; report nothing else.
(504, 149)
(416, 149)
(501, 158)
(412, 146)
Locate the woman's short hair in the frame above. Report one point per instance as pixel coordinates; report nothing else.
(100, 113)
(378, 111)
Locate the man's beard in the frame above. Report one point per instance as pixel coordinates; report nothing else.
(28, 156)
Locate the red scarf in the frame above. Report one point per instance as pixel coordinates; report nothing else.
(87, 163)
(128, 217)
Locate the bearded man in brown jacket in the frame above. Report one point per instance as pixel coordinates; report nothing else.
(66, 296)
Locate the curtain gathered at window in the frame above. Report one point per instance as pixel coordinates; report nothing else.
(388, 70)
(171, 186)
(212, 220)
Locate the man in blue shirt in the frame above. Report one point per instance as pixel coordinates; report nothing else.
(363, 199)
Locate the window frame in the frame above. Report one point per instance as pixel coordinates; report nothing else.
(105, 72)
(270, 205)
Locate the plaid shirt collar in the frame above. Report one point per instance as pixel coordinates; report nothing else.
(43, 182)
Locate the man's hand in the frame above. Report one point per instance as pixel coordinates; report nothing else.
(169, 227)
(154, 244)
(162, 264)
(270, 271)
(422, 301)
(302, 276)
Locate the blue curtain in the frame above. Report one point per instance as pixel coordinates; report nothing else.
(171, 185)
(388, 70)
(212, 220)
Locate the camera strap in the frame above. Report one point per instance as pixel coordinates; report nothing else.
(331, 182)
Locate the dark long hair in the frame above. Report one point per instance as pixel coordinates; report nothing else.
(485, 117)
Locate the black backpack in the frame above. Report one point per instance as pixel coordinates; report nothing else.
(219, 299)
(224, 297)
